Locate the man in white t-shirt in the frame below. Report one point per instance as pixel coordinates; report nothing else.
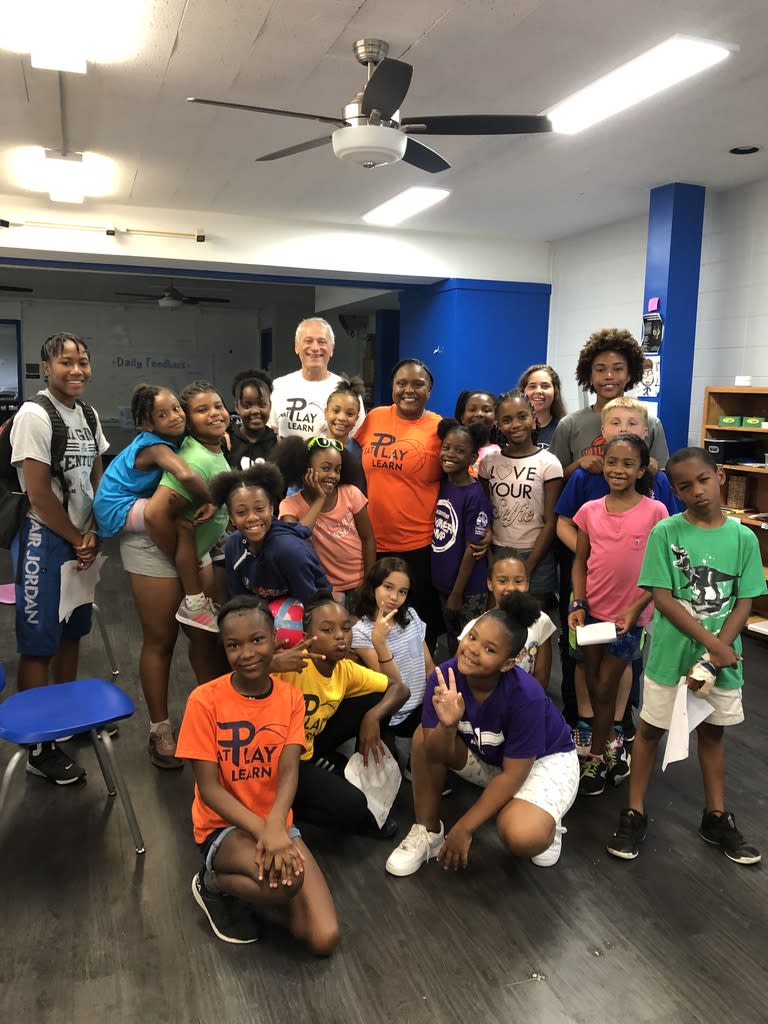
(299, 399)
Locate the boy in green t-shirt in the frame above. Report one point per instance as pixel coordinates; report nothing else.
(703, 570)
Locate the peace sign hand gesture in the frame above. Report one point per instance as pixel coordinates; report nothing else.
(382, 627)
(446, 700)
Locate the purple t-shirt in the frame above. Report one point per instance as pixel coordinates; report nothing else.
(517, 720)
(462, 516)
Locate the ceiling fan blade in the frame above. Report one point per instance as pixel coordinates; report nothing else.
(268, 110)
(386, 88)
(139, 295)
(13, 288)
(302, 147)
(478, 124)
(426, 159)
(195, 300)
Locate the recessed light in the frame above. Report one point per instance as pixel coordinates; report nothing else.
(657, 69)
(744, 150)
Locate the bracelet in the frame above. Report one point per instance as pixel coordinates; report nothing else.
(386, 661)
(577, 605)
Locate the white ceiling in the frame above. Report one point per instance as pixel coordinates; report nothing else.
(476, 56)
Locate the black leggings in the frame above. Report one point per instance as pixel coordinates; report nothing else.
(422, 595)
(324, 798)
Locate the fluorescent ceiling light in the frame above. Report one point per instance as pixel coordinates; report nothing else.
(66, 179)
(64, 34)
(665, 65)
(406, 204)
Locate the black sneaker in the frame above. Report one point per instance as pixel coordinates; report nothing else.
(625, 842)
(593, 772)
(720, 830)
(227, 916)
(616, 761)
(50, 762)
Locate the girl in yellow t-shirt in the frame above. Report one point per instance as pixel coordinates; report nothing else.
(343, 700)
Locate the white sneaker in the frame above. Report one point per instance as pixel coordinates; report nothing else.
(416, 849)
(549, 857)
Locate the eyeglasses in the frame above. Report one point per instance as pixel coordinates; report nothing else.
(324, 442)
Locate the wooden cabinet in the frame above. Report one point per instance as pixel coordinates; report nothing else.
(747, 482)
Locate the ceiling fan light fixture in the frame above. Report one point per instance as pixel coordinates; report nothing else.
(659, 68)
(369, 145)
(404, 205)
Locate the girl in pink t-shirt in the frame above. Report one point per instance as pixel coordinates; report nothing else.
(612, 535)
(335, 511)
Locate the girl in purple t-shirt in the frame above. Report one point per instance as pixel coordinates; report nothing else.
(612, 535)
(491, 723)
(462, 518)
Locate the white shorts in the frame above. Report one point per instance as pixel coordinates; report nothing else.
(551, 784)
(658, 701)
(141, 557)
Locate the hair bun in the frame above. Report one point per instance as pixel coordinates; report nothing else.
(521, 606)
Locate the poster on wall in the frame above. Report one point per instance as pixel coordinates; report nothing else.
(653, 332)
(651, 379)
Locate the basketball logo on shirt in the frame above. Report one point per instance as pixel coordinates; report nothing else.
(299, 417)
(387, 452)
(245, 758)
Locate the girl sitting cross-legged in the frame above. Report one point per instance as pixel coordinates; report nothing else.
(493, 725)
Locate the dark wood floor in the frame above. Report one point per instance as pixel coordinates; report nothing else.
(89, 932)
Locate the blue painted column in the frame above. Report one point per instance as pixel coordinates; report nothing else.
(474, 334)
(387, 353)
(673, 261)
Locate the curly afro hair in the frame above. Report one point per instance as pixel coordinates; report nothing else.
(610, 339)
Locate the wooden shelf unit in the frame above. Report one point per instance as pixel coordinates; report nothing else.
(734, 401)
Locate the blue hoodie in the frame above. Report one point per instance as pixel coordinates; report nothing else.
(285, 565)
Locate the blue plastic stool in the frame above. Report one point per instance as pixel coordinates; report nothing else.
(47, 713)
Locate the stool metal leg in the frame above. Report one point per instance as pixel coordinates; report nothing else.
(8, 774)
(105, 640)
(122, 791)
(98, 746)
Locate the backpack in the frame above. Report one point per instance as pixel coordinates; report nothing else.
(14, 504)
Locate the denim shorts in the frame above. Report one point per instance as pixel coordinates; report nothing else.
(210, 845)
(626, 647)
(38, 555)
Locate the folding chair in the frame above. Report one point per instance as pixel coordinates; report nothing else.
(47, 713)
(8, 596)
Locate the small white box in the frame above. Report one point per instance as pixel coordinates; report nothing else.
(597, 633)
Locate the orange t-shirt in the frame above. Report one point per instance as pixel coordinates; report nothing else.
(245, 736)
(401, 460)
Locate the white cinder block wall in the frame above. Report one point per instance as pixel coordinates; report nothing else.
(732, 326)
(597, 281)
(598, 276)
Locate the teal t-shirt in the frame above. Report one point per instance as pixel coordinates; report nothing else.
(706, 570)
(207, 464)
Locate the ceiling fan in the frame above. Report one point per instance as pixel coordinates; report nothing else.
(371, 131)
(13, 288)
(172, 298)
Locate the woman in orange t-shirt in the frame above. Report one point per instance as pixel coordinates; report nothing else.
(401, 460)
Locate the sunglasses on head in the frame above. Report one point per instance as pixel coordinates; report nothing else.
(324, 442)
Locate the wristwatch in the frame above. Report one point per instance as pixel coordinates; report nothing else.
(579, 604)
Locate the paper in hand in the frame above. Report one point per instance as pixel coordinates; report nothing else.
(378, 783)
(78, 586)
(688, 712)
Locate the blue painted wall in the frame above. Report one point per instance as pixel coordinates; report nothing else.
(474, 334)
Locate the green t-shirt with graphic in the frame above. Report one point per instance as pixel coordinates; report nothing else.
(207, 464)
(706, 571)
